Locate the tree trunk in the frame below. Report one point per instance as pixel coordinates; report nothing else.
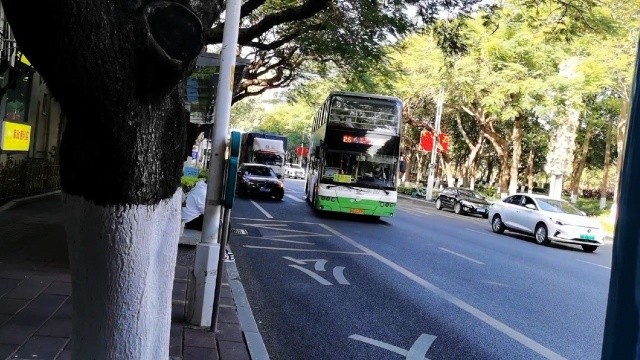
(120, 156)
(421, 157)
(448, 170)
(516, 141)
(582, 161)
(530, 159)
(490, 163)
(606, 165)
(621, 141)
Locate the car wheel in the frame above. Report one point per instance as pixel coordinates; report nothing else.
(457, 208)
(589, 248)
(497, 225)
(542, 234)
(439, 204)
(279, 196)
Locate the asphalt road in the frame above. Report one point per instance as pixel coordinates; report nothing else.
(425, 283)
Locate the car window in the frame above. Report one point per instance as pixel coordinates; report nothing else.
(448, 191)
(528, 200)
(470, 194)
(515, 199)
(259, 171)
(558, 206)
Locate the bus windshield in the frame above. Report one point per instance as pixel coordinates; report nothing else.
(360, 169)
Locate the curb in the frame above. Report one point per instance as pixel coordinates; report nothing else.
(26, 200)
(257, 349)
(422, 200)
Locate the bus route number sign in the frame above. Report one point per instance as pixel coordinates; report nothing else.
(361, 140)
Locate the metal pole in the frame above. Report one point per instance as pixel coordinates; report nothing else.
(223, 245)
(208, 249)
(434, 150)
(621, 328)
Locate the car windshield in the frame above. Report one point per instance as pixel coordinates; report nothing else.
(470, 193)
(268, 158)
(558, 206)
(259, 171)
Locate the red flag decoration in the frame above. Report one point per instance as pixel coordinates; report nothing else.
(426, 141)
(302, 151)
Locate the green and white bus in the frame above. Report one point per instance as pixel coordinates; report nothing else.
(355, 147)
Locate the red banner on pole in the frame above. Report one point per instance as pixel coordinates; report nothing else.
(302, 151)
(426, 141)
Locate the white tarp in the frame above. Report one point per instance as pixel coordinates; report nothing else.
(270, 145)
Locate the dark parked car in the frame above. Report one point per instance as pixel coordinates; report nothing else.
(463, 201)
(258, 179)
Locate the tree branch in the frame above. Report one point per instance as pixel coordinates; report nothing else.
(301, 12)
(285, 39)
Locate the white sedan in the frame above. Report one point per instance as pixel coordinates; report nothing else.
(547, 219)
(294, 171)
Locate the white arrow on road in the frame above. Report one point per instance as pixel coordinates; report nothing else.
(319, 266)
(418, 350)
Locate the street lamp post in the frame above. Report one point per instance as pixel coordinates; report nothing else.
(434, 150)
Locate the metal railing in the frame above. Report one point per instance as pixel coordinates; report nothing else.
(28, 177)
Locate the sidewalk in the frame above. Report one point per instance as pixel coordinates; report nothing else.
(35, 289)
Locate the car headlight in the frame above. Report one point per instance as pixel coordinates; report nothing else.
(467, 204)
(559, 222)
(280, 184)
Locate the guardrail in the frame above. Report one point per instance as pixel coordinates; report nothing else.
(28, 177)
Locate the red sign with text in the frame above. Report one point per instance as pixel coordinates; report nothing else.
(426, 141)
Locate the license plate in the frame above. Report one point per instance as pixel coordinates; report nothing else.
(264, 189)
(357, 211)
(587, 237)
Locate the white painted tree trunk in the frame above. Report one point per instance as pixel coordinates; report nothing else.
(122, 264)
(603, 202)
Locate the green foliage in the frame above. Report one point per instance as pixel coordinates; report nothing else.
(188, 183)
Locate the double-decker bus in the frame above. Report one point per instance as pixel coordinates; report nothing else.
(354, 150)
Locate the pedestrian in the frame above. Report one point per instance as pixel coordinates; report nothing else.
(193, 212)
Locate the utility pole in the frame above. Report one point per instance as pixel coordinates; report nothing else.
(207, 251)
(434, 150)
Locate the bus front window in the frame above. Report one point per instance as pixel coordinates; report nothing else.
(361, 169)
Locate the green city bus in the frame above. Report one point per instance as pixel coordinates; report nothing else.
(355, 147)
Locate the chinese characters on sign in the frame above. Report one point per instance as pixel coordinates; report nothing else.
(15, 136)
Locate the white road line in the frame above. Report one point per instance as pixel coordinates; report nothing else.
(313, 275)
(479, 232)
(338, 273)
(462, 256)
(280, 240)
(295, 198)
(261, 209)
(311, 250)
(486, 318)
(594, 264)
(380, 344)
(319, 263)
(280, 221)
(419, 348)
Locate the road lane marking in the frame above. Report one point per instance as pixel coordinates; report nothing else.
(294, 249)
(313, 275)
(261, 209)
(294, 198)
(280, 240)
(486, 318)
(462, 256)
(479, 232)
(279, 227)
(594, 264)
(338, 273)
(379, 344)
(319, 263)
(418, 350)
(276, 220)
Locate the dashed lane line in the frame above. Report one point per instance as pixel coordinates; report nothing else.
(462, 256)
